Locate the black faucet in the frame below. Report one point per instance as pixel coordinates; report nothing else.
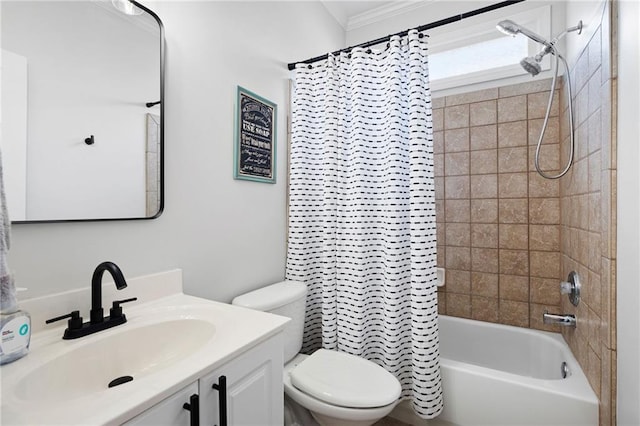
(97, 321)
(96, 314)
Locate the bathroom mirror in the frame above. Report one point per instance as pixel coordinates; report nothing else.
(82, 110)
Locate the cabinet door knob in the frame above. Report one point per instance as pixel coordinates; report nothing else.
(221, 387)
(193, 406)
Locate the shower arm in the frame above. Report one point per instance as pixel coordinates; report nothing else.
(577, 28)
(550, 46)
(552, 43)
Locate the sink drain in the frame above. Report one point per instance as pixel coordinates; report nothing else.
(120, 380)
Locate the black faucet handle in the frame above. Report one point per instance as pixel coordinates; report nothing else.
(75, 320)
(116, 309)
(116, 303)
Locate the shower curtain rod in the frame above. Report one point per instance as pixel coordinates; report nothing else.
(425, 27)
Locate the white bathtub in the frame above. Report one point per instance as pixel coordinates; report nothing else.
(494, 374)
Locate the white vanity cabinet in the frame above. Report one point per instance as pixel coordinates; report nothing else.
(254, 390)
(169, 412)
(248, 392)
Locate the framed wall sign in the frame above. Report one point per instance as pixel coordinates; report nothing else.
(255, 138)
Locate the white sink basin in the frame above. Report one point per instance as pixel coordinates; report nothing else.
(135, 352)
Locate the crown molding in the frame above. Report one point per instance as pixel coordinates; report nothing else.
(384, 12)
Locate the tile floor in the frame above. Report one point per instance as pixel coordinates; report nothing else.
(390, 421)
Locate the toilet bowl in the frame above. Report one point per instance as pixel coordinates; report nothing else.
(335, 413)
(338, 389)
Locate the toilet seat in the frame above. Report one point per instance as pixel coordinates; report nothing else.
(345, 380)
(320, 407)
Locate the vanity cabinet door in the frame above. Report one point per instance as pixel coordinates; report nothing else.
(254, 390)
(171, 411)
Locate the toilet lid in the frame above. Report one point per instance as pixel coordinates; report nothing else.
(345, 380)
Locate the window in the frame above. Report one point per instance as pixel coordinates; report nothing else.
(477, 57)
(480, 53)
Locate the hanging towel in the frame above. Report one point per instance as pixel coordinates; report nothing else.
(5, 223)
(7, 288)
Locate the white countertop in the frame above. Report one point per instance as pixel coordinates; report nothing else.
(236, 330)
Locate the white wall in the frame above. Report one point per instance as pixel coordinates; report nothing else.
(13, 142)
(227, 235)
(628, 273)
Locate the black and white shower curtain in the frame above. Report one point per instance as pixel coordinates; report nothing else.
(362, 232)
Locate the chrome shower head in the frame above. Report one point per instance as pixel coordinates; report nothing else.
(509, 27)
(531, 66)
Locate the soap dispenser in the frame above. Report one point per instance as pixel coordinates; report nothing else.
(15, 324)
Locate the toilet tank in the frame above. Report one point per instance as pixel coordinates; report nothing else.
(286, 298)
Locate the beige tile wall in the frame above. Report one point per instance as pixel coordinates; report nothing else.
(498, 221)
(588, 226)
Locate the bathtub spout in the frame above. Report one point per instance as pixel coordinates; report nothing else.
(566, 320)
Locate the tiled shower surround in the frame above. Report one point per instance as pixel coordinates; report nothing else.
(498, 221)
(588, 216)
(508, 237)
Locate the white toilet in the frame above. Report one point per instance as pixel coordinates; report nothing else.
(337, 388)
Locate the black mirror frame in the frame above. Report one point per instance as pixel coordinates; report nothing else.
(161, 144)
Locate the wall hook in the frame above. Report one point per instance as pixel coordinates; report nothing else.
(90, 140)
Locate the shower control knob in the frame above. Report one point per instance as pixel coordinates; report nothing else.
(565, 287)
(572, 288)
